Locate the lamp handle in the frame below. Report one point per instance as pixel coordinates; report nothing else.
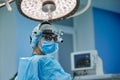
(8, 5)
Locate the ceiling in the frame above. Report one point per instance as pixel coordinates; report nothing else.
(111, 5)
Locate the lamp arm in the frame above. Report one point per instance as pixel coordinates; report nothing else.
(8, 5)
(83, 10)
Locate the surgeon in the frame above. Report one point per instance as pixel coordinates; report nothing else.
(42, 65)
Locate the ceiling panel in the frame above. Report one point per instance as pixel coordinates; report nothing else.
(111, 5)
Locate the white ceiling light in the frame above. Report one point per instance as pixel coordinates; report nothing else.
(7, 3)
(48, 9)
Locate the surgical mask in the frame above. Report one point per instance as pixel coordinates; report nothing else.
(49, 47)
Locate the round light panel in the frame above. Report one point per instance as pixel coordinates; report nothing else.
(37, 10)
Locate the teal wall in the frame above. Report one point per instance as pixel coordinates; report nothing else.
(7, 43)
(24, 27)
(84, 31)
(107, 38)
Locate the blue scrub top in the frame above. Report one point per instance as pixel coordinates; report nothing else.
(41, 67)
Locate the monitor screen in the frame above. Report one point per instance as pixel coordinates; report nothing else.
(82, 60)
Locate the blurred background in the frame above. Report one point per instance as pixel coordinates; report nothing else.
(96, 29)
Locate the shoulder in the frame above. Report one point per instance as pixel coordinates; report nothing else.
(36, 57)
(42, 58)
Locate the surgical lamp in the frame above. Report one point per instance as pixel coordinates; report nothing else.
(50, 10)
(6, 3)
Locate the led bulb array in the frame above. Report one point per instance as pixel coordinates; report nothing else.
(33, 9)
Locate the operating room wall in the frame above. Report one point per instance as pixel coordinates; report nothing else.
(84, 30)
(24, 27)
(7, 44)
(107, 38)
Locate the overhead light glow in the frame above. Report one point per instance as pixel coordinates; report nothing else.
(47, 9)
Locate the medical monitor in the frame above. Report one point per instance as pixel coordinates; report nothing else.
(82, 60)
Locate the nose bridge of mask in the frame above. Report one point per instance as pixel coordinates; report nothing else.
(48, 47)
(45, 42)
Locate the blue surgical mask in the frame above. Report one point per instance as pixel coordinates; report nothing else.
(49, 47)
